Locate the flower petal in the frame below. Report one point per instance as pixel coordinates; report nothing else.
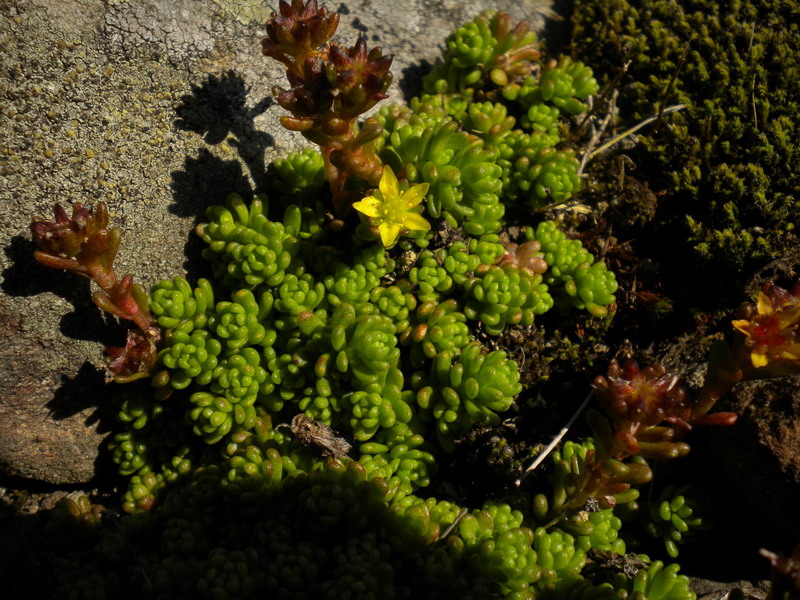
(791, 352)
(415, 222)
(759, 359)
(414, 195)
(789, 316)
(389, 233)
(764, 304)
(388, 185)
(369, 206)
(743, 325)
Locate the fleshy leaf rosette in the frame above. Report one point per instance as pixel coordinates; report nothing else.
(463, 174)
(674, 517)
(359, 77)
(298, 32)
(330, 86)
(84, 244)
(588, 471)
(486, 53)
(646, 408)
(527, 256)
(136, 359)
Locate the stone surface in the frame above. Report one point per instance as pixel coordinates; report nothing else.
(759, 457)
(753, 466)
(159, 108)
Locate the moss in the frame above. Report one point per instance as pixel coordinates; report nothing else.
(728, 162)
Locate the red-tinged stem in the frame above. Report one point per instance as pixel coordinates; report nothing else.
(119, 293)
(721, 381)
(84, 245)
(103, 275)
(363, 164)
(122, 296)
(341, 160)
(336, 179)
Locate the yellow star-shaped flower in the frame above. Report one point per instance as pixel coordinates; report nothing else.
(773, 331)
(392, 210)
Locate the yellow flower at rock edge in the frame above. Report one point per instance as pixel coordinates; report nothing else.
(392, 210)
(773, 332)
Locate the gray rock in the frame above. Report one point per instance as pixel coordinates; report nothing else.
(159, 108)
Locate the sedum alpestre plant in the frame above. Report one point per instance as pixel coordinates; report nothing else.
(85, 245)
(330, 87)
(303, 396)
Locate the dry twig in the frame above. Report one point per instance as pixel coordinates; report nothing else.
(551, 446)
(598, 131)
(635, 128)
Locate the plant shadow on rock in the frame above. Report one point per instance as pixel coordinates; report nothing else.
(205, 180)
(26, 277)
(411, 81)
(88, 389)
(217, 110)
(81, 392)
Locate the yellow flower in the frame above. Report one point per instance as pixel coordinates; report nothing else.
(392, 210)
(773, 332)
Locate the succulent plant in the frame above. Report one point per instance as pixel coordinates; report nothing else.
(674, 516)
(571, 269)
(605, 532)
(461, 173)
(643, 404)
(173, 302)
(484, 53)
(558, 556)
(85, 245)
(661, 582)
(772, 330)
(472, 387)
(191, 355)
(299, 176)
(238, 323)
(440, 327)
(506, 295)
(245, 247)
(331, 86)
(564, 84)
(310, 390)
